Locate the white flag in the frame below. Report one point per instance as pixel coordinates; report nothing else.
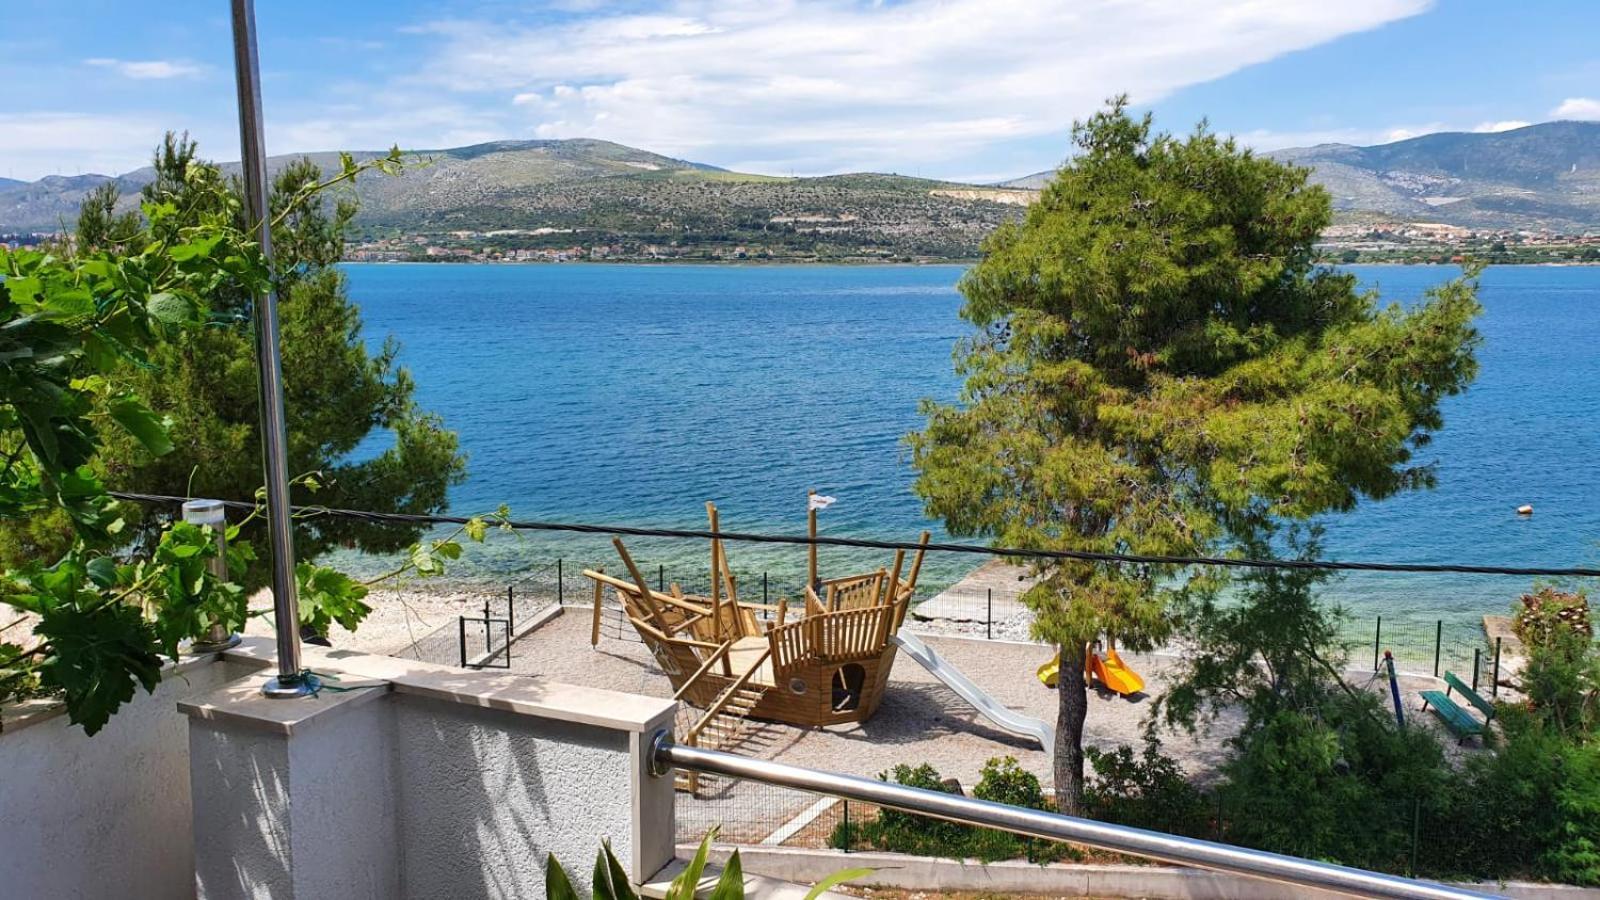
(820, 502)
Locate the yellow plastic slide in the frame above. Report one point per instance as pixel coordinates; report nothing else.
(1050, 672)
(1110, 670)
(1115, 674)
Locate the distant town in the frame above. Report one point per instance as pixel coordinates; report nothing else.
(1382, 242)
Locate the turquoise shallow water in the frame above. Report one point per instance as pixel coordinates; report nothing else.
(635, 393)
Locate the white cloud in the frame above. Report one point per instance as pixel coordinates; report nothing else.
(33, 145)
(831, 85)
(148, 69)
(1507, 125)
(1586, 108)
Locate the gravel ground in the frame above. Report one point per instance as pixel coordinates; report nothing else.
(920, 720)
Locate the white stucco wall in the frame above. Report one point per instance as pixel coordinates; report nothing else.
(104, 816)
(488, 794)
(425, 783)
(301, 816)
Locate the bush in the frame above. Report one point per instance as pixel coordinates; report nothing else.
(1146, 791)
(1002, 780)
(1547, 613)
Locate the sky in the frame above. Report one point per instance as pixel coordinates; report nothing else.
(969, 90)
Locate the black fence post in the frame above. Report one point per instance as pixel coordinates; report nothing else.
(561, 584)
(1477, 665)
(461, 634)
(1495, 687)
(1416, 830)
(511, 607)
(764, 600)
(1377, 640)
(988, 624)
(846, 830)
(488, 632)
(1438, 645)
(661, 577)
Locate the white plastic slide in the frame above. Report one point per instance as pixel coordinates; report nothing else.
(992, 709)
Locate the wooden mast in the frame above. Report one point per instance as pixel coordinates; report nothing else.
(716, 572)
(811, 532)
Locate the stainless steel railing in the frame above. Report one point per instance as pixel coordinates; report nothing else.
(1052, 826)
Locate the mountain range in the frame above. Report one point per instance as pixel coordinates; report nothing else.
(1539, 177)
(1543, 176)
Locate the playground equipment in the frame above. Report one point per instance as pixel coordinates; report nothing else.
(993, 710)
(1108, 669)
(826, 662)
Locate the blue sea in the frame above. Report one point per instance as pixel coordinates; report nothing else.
(633, 394)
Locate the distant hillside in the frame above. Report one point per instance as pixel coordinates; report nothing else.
(596, 192)
(1034, 182)
(609, 193)
(1541, 176)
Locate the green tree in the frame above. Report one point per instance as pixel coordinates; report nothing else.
(337, 394)
(1160, 369)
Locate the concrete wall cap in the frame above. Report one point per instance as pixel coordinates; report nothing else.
(518, 694)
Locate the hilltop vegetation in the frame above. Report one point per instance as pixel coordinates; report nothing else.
(600, 193)
(1541, 177)
(554, 195)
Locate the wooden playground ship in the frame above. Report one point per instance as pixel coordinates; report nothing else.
(824, 662)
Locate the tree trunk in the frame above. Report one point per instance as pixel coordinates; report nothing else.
(1072, 691)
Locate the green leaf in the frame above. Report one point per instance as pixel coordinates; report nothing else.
(610, 880)
(557, 886)
(139, 421)
(170, 309)
(476, 529)
(100, 655)
(836, 879)
(102, 570)
(689, 879)
(731, 885)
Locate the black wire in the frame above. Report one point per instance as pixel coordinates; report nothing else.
(866, 543)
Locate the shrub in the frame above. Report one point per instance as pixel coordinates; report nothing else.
(1002, 780)
(1146, 791)
(1546, 613)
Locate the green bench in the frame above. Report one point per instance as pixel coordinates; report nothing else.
(1458, 720)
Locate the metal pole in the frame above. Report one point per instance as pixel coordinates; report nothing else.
(511, 607)
(1494, 686)
(461, 635)
(1053, 826)
(1377, 638)
(212, 514)
(291, 680)
(1438, 645)
(561, 585)
(661, 577)
(846, 847)
(1477, 665)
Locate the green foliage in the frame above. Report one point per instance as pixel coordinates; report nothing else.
(611, 881)
(202, 383)
(1160, 368)
(1002, 780)
(1269, 645)
(1145, 791)
(84, 340)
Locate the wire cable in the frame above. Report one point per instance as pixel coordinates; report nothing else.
(943, 547)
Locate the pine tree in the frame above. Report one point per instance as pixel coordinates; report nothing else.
(337, 395)
(1160, 369)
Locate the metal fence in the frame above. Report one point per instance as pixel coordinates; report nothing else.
(485, 632)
